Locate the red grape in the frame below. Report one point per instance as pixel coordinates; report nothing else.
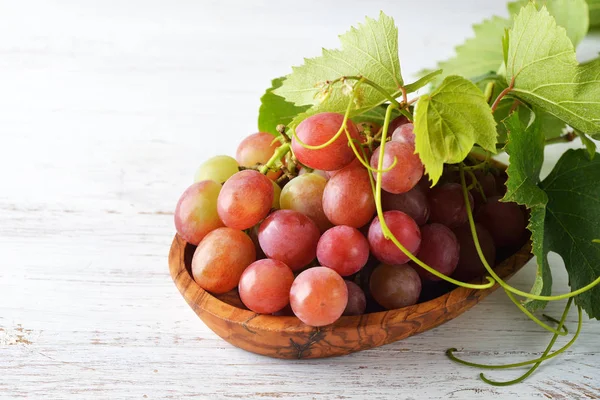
(439, 249)
(396, 123)
(488, 184)
(318, 296)
(257, 148)
(343, 249)
(290, 237)
(469, 264)
(404, 134)
(221, 258)
(357, 301)
(504, 220)
(348, 198)
(414, 203)
(245, 199)
(319, 129)
(447, 205)
(265, 286)
(304, 194)
(406, 231)
(305, 170)
(354, 164)
(196, 212)
(406, 173)
(395, 286)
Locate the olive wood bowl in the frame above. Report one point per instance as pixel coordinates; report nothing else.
(288, 337)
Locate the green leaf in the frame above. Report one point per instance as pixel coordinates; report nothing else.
(274, 110)
(573, 222)
(570, 14)
(588, 143)
(480, 54)
(526, 155)
(449, 121)
(376, 114)
(371, 51)
(429, 77)
(541, 60)
(594, 7)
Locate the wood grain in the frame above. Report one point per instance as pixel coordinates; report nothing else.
(106, 110)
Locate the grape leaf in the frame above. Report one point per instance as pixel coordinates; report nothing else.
(525, 148)
(376, 114)
(449, 121)
(274, 110)
(589, 144)
(594, 7)
(480, 54)
(541, 60)
(371, 50)
(570, 14)
(573, 222)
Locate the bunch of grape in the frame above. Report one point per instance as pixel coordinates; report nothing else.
(299, 242)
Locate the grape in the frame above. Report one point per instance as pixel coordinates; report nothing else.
(354, 164)
(304, 194)
(253, 233)
(404, 229)
(447, 205)
(276, 195)
(501, 183)
(245, 199)
(343, 249)
(218, 169)
(396, 123)
(285, 311)
(414, 203)
(196, 212)
(305, 170)
(348, 198)
(290, 237)
(265, 286)
(318, 129)
(439, 249)
(221, 258)
(404, 134)
(318, 296)
(395, 286)
(406, 173)
(424, 184)
(505, 222)
(357, 301)
(469, 265)
(258, 148)
(488, 184)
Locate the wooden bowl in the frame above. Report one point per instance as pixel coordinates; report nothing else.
(287, 337)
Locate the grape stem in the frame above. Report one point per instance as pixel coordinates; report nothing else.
(279, 153)
(504, 285)
(503, 93)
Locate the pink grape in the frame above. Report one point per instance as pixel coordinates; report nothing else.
(319, 129)
(396, 123)
(290, 237)
(245, 199)
(221, 258)
(357, 301)
(304, 170)
(439, 249)
(304, 194)
(355, 163)
(196, 212)
(404, 134)
(348, 198)
(265, 286)
(504, 220)
(414, 203)
(406, 231)
(343, 249)
(395, 286)
(469, 264)
(318, 296)
(257, 148)
(406, 173)
(447, 205)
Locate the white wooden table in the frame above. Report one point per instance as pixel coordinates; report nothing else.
(106, 110)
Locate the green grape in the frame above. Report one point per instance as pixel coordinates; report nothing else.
(217, 168)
